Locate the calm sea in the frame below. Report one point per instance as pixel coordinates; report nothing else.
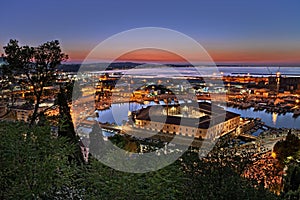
(118, 113)
(167, 71)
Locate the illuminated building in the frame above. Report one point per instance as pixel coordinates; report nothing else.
(187, 120)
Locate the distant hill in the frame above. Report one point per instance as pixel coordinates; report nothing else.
(130, 65)
(98, 66)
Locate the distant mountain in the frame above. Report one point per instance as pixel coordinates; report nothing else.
(98, 66)
(130, 65)
(69, 67)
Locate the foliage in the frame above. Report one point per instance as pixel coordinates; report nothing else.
(215, 180)
(34, 164)
(38, 64)
(290, 147)
(66, 126)
(103, 182)
(8, 82)
(187, 178)
(292, 181)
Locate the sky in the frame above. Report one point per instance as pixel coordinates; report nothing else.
(230, 31)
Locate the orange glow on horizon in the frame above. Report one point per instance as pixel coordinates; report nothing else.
(254, 56)
(151, 55)
(155, 55)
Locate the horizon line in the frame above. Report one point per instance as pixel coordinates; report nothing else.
(186, 63)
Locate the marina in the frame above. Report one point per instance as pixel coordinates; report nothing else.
(270, 119)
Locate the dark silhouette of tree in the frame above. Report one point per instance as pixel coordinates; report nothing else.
(287, 148)
(66, 126)
(73, 90)
(38, 64)
(34, 164)
(8, 82)
(292, 182)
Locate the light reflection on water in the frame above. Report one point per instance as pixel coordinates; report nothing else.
(119, 112)
(273, 120)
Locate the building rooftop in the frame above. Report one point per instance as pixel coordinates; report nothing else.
(153, 113)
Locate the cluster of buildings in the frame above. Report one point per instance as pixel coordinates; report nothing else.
(200, 120)
(18, 100)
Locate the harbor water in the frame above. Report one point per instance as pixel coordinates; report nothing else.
(118, 114)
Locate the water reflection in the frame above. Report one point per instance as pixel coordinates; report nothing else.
(280, 121)
(118, 113)
(274, 118)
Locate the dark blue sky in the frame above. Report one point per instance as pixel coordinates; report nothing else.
(229, 30)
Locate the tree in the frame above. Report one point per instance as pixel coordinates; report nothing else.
(65, 124)
(290, 147)
(34, 164)
(292, 181)
(38, 64)
(8, 82)
(102, 182)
